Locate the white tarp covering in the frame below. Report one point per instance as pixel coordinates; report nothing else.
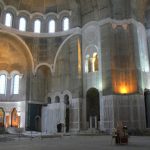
(52, 115)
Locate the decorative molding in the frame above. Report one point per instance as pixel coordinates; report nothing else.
(41, 35)
(16, 72)
(42, 64)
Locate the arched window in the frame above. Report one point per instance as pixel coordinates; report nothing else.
(22, 24)
(16, 84)
(2, 84)
(8, 19)
(65, 24)
(51, 27)
(37, 26)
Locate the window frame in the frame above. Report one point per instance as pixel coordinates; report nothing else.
(14, 84)
(8, 23)
(49, 26)
(35, 29)
(24, 25)
(5, 84)
(64, 28)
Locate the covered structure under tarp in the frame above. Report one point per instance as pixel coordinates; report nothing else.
(53, 115)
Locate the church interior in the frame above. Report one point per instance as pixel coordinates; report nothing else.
(74, 65)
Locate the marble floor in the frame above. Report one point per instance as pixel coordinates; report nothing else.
(11, 142)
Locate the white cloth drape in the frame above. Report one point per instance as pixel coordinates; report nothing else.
(52, 115)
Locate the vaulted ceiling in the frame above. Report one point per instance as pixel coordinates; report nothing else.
(43, 6)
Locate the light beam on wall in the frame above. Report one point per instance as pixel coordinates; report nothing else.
(79, 57)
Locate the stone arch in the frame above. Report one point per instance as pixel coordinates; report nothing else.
(26, 16)
(90, 50)
(12, 10)
(68, 93)
(49, 17)
(93, 107)
(41, 18)
(91, 56)
(60, 48)
(9, 40)
(40, 65)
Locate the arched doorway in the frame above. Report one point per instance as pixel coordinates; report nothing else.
(15, 119)
(2, 114)
(92, 107)
(66, 101)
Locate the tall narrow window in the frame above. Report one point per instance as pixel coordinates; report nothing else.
(51, 27)
(22, 24)
(65, 24)
(16, 84)
(8, 20)
(37, 26)
(2, 84)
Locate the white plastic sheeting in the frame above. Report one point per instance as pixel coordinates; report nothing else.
(143, 49)
(52, 115)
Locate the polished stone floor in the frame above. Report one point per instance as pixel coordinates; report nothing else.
(9, 142)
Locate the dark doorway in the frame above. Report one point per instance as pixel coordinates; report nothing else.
(49, 100)
(92, 105)
(34, 110)
(37, 123)
(66, 101)
(147, 107)
(59, 127)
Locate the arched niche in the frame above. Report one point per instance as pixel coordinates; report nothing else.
(49, 100)
(91, 59)
(15, 119)
(41, 83)
(57, 99)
